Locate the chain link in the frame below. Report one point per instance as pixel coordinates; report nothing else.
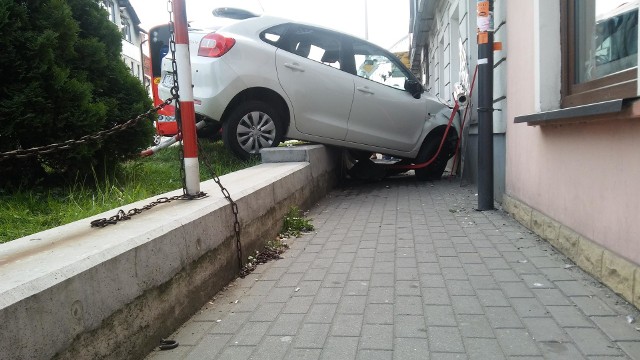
(234, 205)
(122, 215)
(47, 149)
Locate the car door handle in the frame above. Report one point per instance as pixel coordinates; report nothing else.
(294, 66)
(365, 89)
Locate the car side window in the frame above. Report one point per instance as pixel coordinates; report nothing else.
(314, 44)
(377, 65)
(274, 34)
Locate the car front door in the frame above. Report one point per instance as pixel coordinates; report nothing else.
(309, 63)
(383, 113)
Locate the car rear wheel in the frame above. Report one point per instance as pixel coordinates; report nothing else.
(251, 127)
(435, 170)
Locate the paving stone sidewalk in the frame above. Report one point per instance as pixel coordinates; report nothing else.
(407, 270)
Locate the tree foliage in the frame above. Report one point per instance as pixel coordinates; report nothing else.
(63, 78)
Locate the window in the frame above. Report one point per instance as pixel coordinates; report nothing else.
(126, 30)
(378, 65)
(313, 44)
(110, 7)
(273, 35)
(600, 50)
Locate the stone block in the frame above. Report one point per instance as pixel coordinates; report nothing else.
(537, 222)
(590, 257)
(567, 242)
(551, 230)
(618, 274)
(636, 289)
(522, 213)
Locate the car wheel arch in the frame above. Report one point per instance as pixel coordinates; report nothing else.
(260, 94)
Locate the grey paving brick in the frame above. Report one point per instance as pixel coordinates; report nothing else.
(358, 287)
(363, 261)
(450, 261)
(314, 274)
(410, 326)
(448, 356)
(237, 352)
(192, 332)
(340, 348)
(470, 257)
(573, 288)
(209, 347)
(592, 306)
(307, 288)
(335, 280)
(382, 280)
(286, 324)
(460, 287)
(298, 305)
(347, 325)
(180, 352)
(593, 342)
(407, 273)
(282, 294)
(407, 288)
(230, 323)
(529, 307)
(271, 347)
(516, 290)
(516, 342)
(375, 355)
(537, 281)
(360, 273)
(439, 315)
(410, 348)
(483, 282)
(352, 305)
(311, 336)
(557, 274)
(429, 268)
(545, 329)
(379, 314)
(321, 313)
(267, 312)
(454, 274)
(408, 305)
(617, 328)
(262, 287)
(560, 350)
(501, 318)
(492, 297)
(569, 316)
(384, 267)
(328, 295)
(505, 276)
(483, 349)
(445, 339)
(475, 326)
(466, 305)
(631, 348)
(381, 295)
(251, 333)
(376, 337)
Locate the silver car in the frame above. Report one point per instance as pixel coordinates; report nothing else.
(266, 79)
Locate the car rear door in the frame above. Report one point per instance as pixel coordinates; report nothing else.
(309, 62)
(383, 113)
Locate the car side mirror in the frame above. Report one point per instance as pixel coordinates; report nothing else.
(414, 88)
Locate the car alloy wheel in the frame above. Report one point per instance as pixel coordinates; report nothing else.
(256, 131)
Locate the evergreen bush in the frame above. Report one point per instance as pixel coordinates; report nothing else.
(63, 77)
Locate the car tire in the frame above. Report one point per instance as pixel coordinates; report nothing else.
(210, 131)
(252, 126)
(435, 170)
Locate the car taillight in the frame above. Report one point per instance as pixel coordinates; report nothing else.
(215, 45)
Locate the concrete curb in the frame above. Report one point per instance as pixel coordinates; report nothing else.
(74, 292)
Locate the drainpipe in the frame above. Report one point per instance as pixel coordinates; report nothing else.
(485, 104)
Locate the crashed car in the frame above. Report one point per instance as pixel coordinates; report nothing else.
(267, 79)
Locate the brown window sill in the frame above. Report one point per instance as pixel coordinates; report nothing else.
(607, 110)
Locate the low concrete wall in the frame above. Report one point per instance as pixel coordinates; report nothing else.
(616, 272)
(76, 292)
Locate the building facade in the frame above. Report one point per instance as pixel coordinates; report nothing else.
(124, 16)
(567, 108)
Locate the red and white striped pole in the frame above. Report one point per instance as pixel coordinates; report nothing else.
(187, 112)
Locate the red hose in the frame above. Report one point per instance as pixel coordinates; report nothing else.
(464, 119)
(456, 106)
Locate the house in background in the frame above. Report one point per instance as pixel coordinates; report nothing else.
(566, 120)
(124, 16)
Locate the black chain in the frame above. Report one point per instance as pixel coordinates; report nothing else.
(47, 149)
(122, 215)
(234, 205)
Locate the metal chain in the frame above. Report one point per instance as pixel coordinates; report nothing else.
(47, 149)
(122, 215)
(234, 205)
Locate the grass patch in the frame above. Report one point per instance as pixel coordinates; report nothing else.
(295, 223)
(28, 211)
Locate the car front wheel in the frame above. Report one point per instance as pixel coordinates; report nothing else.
(435, 170)
(251, 127)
